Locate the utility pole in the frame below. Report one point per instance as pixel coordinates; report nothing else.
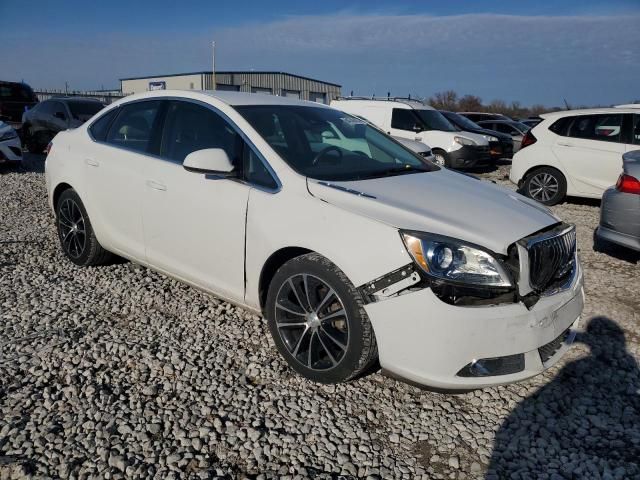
(213, 65)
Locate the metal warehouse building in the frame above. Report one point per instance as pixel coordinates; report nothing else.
(274, 83)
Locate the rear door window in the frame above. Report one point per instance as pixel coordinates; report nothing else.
(605, 127)
(133, 128)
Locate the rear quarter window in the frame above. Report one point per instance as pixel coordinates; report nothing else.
(100, 127)
(561, 126)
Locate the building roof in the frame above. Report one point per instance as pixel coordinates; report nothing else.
(235, 72)
(229, 98)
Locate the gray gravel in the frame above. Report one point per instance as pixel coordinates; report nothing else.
(118, 371)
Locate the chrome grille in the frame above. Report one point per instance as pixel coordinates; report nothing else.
(551, 257)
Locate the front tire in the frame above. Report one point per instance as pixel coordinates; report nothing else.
(77, 238)
(441, 158)
(317, 320)
(546, 185)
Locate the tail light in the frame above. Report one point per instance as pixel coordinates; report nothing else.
(528, 139)
(628, 184)
(47, 150)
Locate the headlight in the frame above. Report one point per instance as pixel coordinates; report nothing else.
(464, 141)
(8, 135)
(454, 261)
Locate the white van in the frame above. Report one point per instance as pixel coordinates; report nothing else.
(415, 121)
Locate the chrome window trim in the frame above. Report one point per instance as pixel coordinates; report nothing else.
(524, 284)
(217, 111)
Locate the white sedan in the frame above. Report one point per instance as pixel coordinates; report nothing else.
(353, 248)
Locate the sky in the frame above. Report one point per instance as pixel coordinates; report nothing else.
(534, 52)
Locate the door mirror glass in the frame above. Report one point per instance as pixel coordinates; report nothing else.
(214, 161)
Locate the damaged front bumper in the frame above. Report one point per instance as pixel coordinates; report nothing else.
(424, 340)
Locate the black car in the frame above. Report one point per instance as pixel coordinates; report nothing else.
(15, 98)
(44, 121)
(500, 148)
(478, 116)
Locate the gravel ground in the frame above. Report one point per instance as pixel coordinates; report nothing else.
(118, 371)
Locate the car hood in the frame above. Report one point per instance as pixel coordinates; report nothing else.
(485, 131)
(442, 202)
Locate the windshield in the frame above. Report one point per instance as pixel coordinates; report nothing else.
(523, 127)
(460, 121)
(434, 120)
(327, 144)
(85, 109)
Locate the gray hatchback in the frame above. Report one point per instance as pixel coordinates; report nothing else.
(620, 210)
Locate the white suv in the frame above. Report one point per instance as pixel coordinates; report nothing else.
(576, 153)
(353, 247)
(416, 121)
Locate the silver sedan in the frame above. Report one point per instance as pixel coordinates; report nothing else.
(620, 210)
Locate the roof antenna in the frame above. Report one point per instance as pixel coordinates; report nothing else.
(566, 104)
(409, 96)
(388, 95)
(352, 93)
(373, 97)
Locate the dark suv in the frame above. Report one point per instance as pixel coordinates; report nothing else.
(43, 122)
(15, 98)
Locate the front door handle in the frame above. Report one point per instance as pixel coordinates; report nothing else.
(156, 185)
(91, 162)
(564, 144)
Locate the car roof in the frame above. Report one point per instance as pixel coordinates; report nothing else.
(74, 99)
(229, 98)
(589, 111)
(408, 104)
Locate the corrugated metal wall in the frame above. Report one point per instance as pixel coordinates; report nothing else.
(277, 83)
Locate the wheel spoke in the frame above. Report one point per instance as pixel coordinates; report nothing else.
(313, 333)
(339, 313)
(295, 350)
(334, 340)
(326, 349)
(329, 294)
(295, 293)
(64, 223)
(286, 309)
(291, 324)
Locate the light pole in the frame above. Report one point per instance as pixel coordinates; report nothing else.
(213, 65)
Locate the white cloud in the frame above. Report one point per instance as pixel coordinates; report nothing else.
(586, 59)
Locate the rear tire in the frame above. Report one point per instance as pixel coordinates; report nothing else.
(31, 142)
(318, 322)
(77, 238)
(546, 185)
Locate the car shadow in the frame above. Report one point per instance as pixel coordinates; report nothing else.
(616, 251)
(589, 202)
(31, 163)
(584, 424)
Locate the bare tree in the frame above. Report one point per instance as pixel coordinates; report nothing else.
(447, 100)
(470, 103)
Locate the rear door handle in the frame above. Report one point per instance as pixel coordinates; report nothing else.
(564, 144)
(91, 162)
(156, 185)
